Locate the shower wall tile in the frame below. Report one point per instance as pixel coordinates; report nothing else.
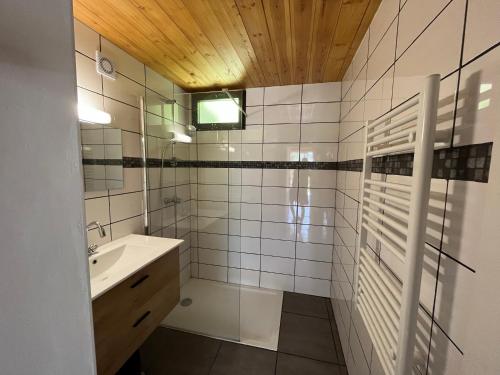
(481, 34)
(124, 63)
(124, 208)
(86, 40)
(408, 40)
(265, 207)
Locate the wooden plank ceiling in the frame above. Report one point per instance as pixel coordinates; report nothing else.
(206, 44)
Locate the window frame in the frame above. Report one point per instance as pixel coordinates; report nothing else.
(237, 94)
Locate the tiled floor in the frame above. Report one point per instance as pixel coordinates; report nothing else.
(308, 344)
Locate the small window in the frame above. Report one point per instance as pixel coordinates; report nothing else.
(216, 111)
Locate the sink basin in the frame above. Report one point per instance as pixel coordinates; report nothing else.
(119, 259)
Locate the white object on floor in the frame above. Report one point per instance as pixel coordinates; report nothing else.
(247, 315)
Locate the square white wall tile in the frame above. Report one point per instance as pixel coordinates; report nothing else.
(282, 114)
(251, 177)
(123, 62)
(255, 115)
(482, 31)
(251, 152)
(383, 55)
(314, 287)
(279, 195)
(255, 96)
(278, 248)
(213, 193)
(216, 273)
(317, 197)
(283, 214)
(315, 234)
(326, 152)
(281, 152)
(250, 245)
(319, 132)
(477, 112)
(317, 179)
(321, 92)
(123, 116)
(276, 281)
(158, 83)
(97, 209)
(290, 94)
(218, 176)
(213, 152)
(280, 177)
(385, 15)
(319, 270)
(124, 90)
(86, 39)
(315, 252)
(86, 75)
(212, 136)
(278, 231)
(213, 241)
(123, 228)
(125, 206)
(321, 112)
(252, 134)
(283, 133)
(212, 257)
(415, 16)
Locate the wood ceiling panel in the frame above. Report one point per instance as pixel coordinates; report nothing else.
(205, 44)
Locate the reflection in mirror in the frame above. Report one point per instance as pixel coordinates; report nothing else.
(102, 157)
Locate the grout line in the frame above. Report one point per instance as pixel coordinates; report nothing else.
(216, 355)
(459, 78)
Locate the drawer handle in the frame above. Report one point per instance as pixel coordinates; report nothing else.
(144, 316)
(139, 281)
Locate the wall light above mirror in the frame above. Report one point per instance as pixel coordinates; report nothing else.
(92, 115)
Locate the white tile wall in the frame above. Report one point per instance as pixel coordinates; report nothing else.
(267, 233)
(122, 210)
(461, 258)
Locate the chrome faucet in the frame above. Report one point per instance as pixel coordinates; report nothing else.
(92, 248)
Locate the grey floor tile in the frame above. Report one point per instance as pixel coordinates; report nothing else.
(307, 336)
(293, 365)
(336, 340)
(168, 352)
(305, 305)
(237, 359)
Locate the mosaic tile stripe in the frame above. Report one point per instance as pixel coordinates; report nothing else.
(467, 163)
(102, 161)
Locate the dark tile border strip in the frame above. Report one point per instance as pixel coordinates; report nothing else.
(466, 163)
(102, 162)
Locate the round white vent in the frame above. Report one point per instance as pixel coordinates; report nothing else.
(105, 66)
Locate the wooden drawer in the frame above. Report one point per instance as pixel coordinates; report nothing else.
(127, 314)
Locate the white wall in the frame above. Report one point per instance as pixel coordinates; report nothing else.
(267, 225)
(45, 319)
(121, 211)
(407, 40)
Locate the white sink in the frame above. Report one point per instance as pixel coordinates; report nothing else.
(117, 260)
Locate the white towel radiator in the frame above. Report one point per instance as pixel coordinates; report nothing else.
(393, 216)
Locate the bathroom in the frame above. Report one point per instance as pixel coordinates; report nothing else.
(249, 187)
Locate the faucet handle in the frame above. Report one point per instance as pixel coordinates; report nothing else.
(92, 249)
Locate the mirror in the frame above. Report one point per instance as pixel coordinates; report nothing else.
(102, 157)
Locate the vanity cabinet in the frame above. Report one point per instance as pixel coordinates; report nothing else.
(128, 313)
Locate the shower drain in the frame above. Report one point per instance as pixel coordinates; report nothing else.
(186, 302)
